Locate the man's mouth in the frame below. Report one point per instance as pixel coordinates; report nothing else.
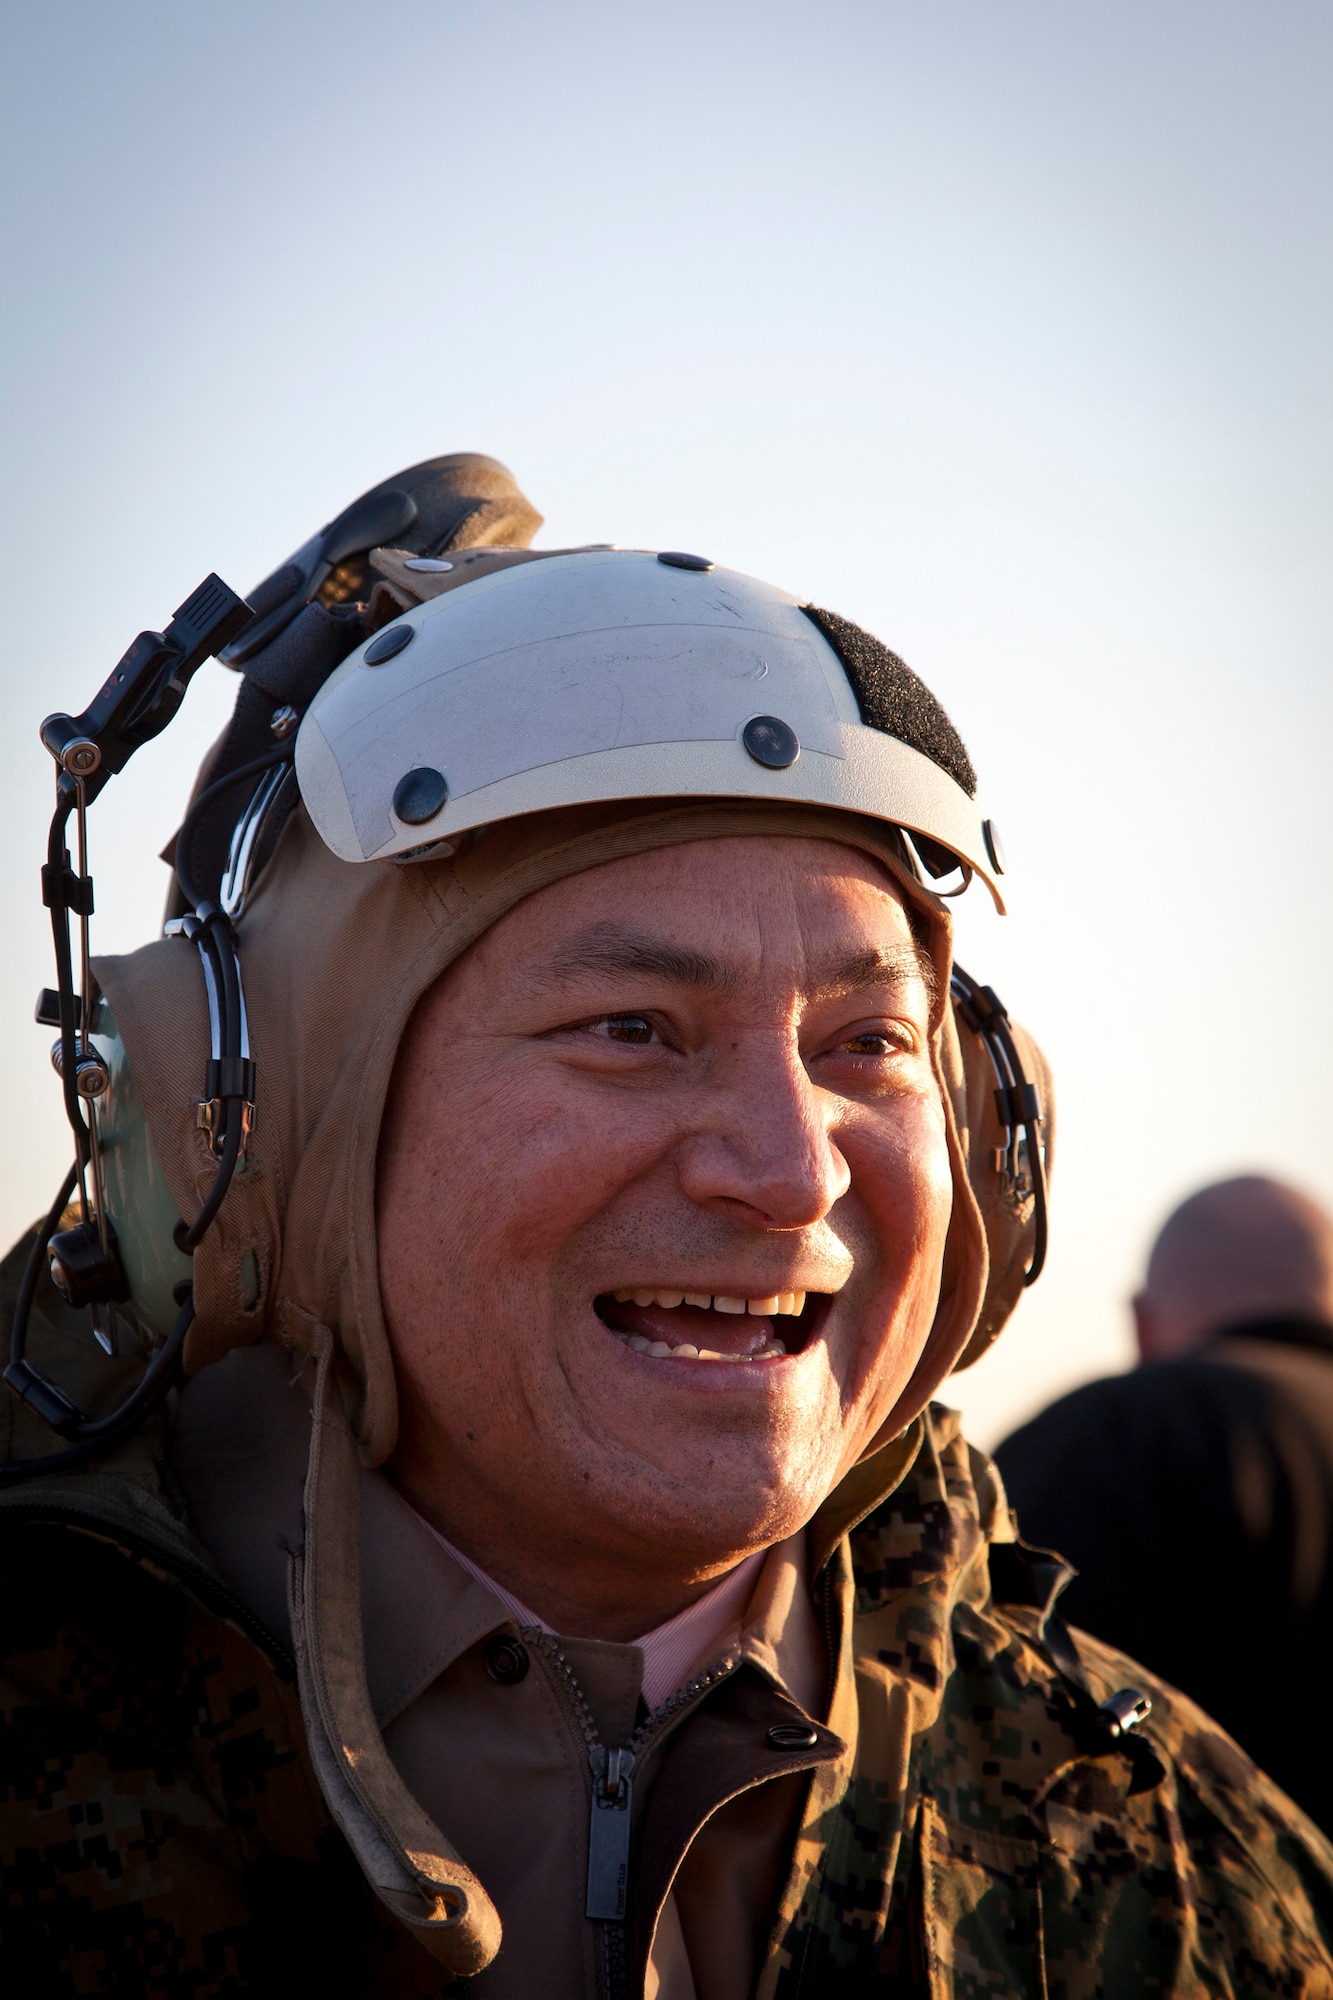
(673, 1325)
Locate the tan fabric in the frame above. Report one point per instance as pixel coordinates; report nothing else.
(505, 1768)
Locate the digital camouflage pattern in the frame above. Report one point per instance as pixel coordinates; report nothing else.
(993, 1838)
(984, 1834)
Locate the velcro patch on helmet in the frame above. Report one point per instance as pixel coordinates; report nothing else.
(891, 697)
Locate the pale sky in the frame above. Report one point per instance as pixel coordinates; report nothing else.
(1005, 332)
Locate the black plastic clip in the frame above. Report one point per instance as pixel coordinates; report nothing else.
(47, 1011)
(62, 889)
(230, 1076)
(1018, 1103)
(227, 1080)
(52, 1405)
(144, 688)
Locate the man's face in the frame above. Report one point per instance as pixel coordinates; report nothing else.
(663, 1196)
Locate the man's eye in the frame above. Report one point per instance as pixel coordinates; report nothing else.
(635, 1029)
(871, 1045)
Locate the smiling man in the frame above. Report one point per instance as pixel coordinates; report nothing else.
(552, 1577)
(695, 1255)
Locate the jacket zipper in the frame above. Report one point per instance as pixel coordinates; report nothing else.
(610, 1807)
(827, 1614)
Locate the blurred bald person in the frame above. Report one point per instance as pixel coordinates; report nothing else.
(1195, 1494)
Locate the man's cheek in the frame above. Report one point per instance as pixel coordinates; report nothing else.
(547, 1163)
(902, 1177)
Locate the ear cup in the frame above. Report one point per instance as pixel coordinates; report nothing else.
(1008, 1212)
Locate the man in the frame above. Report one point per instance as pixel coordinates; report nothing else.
(1195, 1494)
(554, 1578)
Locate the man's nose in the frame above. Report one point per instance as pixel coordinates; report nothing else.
(766, 1145)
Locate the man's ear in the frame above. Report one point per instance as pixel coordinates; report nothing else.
(1147, 1333)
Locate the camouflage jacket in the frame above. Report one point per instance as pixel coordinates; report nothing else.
(983, 1832)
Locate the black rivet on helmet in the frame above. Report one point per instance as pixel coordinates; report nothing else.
(419, 794)
(792, 1736)
(994, 847)
(506, 1660)
(771, 741)
(675, 559)
(388, 642)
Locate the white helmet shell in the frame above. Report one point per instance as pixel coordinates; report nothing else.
(604, 674)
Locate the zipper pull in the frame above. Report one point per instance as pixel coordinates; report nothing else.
(608, 1833)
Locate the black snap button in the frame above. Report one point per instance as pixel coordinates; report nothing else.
(506, 1660)
(385, 644)
(994, 845)
(419, 794)
(792, 1736)
(677, 559)
(771, 741)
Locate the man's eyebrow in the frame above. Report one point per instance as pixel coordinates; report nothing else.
(613, 950)
(607, 950)
(877, 965)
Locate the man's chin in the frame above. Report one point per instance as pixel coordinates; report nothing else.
(718, 1458)
(714, 1502)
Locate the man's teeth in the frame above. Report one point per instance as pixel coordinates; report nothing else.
(687, 1351)
(777, 1303)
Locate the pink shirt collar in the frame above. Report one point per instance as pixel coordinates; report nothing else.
(671, 1651)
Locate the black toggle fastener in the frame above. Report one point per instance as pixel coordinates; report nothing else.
(1125, 1711)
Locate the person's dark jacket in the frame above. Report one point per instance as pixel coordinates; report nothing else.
(1195, 1498)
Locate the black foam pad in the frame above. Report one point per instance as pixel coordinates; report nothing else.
(891, 698)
